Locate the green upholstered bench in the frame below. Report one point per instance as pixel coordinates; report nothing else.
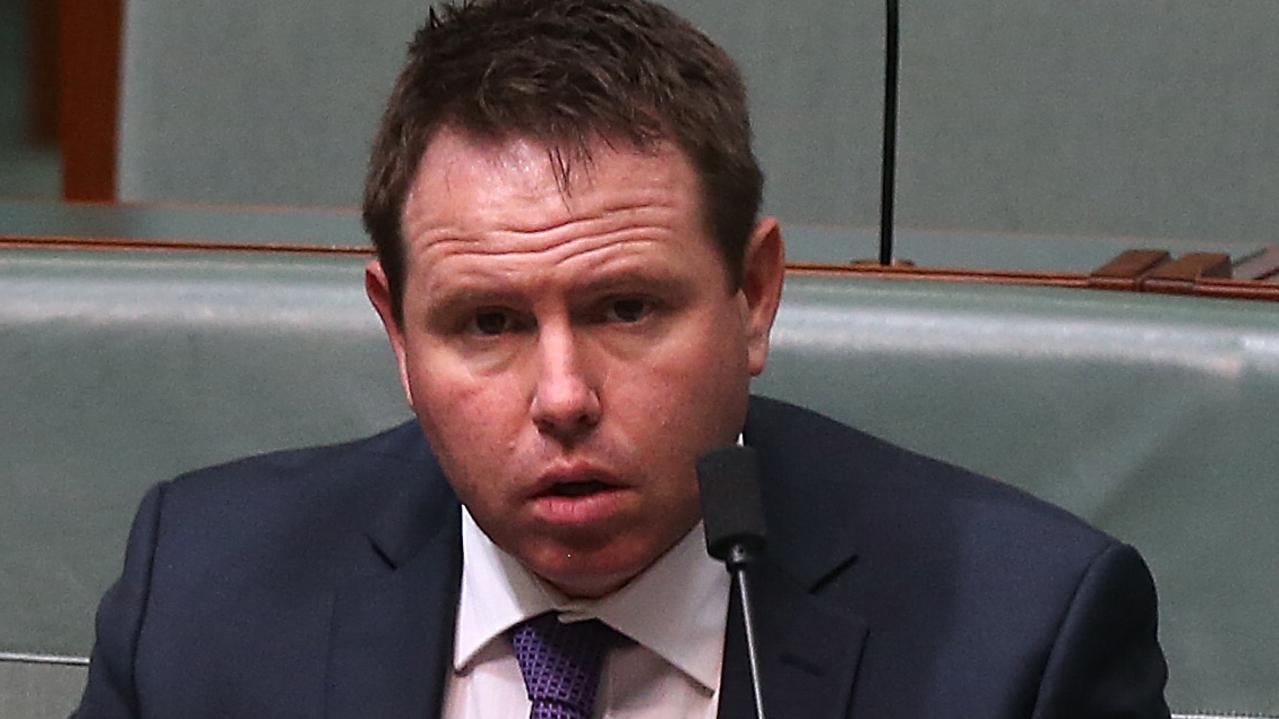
(124, 368)
(1152, 416)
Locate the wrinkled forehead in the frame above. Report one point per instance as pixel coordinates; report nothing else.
(464, 171)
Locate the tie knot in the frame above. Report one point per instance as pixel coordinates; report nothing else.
(561, 664)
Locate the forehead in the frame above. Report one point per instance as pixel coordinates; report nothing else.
(524, 184)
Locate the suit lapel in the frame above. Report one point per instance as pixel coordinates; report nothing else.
(811, 643)
(391, 636)
(809, 652)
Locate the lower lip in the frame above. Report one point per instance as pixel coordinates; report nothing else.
(579, 511)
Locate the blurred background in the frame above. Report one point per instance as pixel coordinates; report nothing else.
(1033, 134)
(181, 253)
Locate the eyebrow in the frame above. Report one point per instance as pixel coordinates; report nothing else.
(465, 293)
(644, 279)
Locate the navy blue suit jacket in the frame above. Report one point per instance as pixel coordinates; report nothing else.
(324, 582)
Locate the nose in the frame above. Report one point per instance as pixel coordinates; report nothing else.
(566, 404)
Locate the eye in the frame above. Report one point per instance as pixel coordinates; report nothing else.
(627, 309)
(491, 323)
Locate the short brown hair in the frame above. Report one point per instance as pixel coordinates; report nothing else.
(566, 72)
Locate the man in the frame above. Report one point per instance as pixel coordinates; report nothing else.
(577, 289)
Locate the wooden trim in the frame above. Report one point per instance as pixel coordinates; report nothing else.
(1203, 286)
(229, 207)
(126, 244)
(91, 44)
(944, 274)
(1236, 289)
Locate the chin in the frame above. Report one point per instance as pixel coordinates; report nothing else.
(588, 574)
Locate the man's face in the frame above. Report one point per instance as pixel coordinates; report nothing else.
(569, 355)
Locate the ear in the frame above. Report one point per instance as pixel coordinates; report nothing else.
(763, 270)
(379, 292)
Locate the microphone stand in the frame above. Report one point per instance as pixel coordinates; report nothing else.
(739, 557)
(733, 514)
(888, 169)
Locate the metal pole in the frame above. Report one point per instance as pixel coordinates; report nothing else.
(889, 161)
(738, 560)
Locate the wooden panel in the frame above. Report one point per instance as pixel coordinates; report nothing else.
(90, 46)
(1183, 274)
(1125, 271)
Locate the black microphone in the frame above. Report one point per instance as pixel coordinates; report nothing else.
(733, 513)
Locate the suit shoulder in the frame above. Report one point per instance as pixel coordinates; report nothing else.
(963, 581)
(863, 473)
(341, 483)
(402, 445)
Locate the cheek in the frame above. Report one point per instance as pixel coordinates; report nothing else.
(468, 422)
(690, 397)
(475, 453)
(712, 359)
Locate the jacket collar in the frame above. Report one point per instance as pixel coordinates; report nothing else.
(391, 636)
(391, 633)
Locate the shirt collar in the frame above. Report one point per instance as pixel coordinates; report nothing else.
(677, 608)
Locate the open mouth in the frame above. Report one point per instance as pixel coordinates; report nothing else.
(576, 489)
(580, 502)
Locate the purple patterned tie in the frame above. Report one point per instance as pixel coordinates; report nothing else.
(561, 664)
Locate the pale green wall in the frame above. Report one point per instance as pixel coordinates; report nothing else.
(1154, 119)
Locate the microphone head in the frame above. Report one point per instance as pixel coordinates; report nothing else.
(732, 507)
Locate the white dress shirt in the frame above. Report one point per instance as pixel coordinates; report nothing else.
(675, 611)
